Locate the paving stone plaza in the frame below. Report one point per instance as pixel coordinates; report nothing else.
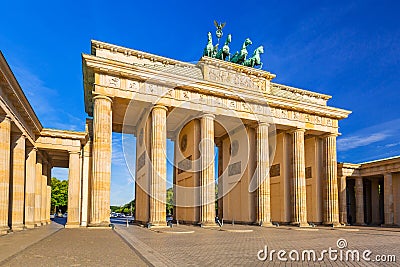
(236, 245)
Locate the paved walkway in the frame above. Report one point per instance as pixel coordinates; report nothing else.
(237, 245)
(18, 241)
(53, 245)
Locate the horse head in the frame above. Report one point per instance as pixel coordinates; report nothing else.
(247, 42)
(259, 50)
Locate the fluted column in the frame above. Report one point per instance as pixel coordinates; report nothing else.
(30, 189)
(207, 176)
(73, 190)
(359, 192)
(38, 189)
(159, 166)
(101, 176)
(86, 168)
(5, 137)
(331, 203)
(263, 179)
(388, 199)
(299, 179)
(44, 193)
(342, 200)
(18, 182)
(48, 198)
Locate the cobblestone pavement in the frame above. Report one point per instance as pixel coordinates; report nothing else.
(77, 247)
(14, 242)
(238, 245)
(190, 246)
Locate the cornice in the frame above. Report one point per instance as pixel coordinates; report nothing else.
(112, 67)
(64, 134)
(132, 52)
(27, 114)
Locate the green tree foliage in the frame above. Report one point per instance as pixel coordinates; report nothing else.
(59, 194)
(126, 209)
(170, 200)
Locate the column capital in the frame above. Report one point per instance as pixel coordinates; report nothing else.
(326, 135)
(387, 174)
(74, 152)
(263, 123)
(103, 97)
(160, 107)
(204, 115)
(5, 117)
(296, 130)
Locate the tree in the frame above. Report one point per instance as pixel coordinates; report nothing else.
(170, 200)
(59, 194)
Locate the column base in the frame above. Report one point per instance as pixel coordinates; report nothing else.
(29, 225)
(17, 227)
(301, 224)
(100, 225)
(208, 224)
(38, 224)
(4, 230)
(265, 224)
(72, 225)
(161, 224)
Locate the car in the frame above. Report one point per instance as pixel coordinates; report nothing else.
(65, 215)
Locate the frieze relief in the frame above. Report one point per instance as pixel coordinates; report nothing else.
(201, 98)
(236, 79)
(110, 81)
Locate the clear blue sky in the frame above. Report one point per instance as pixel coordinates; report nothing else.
(348, 49)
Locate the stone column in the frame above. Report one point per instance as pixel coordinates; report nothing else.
(359, 191)
(207, 176)
(342, 200)
(30, 188)
(299, 180)
(48, 198)
(331, 203)
(263, 179)
(44, 192)
(73, 190)
(86, 170)
(38, 189)
(159, 166)
(101, 175)
(388, 199)
(18, 182)
(5, 137)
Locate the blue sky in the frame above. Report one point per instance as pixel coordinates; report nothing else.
(348, 49)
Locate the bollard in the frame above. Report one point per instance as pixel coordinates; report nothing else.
(127, 223)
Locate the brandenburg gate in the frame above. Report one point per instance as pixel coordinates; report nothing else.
(276, 144)
(245, 149)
